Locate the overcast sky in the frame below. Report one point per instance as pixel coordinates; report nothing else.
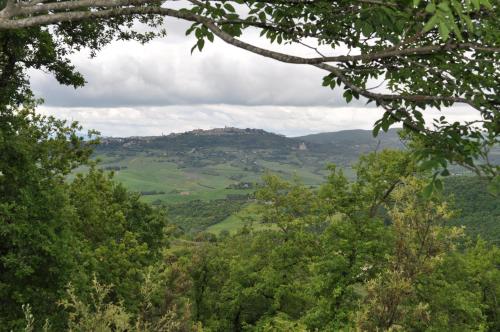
(160, 87)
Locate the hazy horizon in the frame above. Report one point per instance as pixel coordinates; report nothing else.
(272, 132)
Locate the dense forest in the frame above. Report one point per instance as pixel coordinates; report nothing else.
(374, 253)
(476, 208)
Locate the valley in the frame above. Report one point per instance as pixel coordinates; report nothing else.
(216, 163)
(206, 179)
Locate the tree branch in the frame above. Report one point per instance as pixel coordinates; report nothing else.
(11, 17)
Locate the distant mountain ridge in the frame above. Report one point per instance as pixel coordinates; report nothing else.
(351, 141)
(199, 138)
(210, 164)
(201, 132)
(354, 136)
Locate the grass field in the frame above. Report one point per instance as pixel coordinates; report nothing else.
(144, 173)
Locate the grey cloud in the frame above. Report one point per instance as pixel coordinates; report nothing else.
(160, 88)
(164, 73)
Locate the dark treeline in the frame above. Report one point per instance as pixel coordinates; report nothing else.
(375, 254)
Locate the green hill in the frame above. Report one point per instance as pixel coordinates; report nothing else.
(211, 164)
(356, 139)
(206, 177)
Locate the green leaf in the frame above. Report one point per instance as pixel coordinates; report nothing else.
(444, 31)
(431, 23)
(487, 4)
(262, 16)
(348, 95)
(431, 8)
(468, 21)
(210, 37)
(198, 33)
(456, 31)
(444, 7)
(427, 192)
(229, 7)
(366, 29)
(200, 44)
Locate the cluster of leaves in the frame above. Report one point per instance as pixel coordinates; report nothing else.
(427, 53)
(456, 144)
(53, 233)
(445, 13)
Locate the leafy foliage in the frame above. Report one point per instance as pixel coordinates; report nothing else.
(53, 233)
(331, 263)
(477, 208)
(35, 230)
(49, 49)
(195, 216)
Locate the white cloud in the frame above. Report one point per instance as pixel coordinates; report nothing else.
(164, 72)
(160, 87)
(288, 120)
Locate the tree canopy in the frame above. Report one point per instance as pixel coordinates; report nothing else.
(53, 232)
(84, 254)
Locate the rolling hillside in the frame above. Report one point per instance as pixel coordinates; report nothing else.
(211, 164)
(357, 140)
(205, 177)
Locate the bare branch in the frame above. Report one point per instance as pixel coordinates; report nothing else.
(79, 4)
